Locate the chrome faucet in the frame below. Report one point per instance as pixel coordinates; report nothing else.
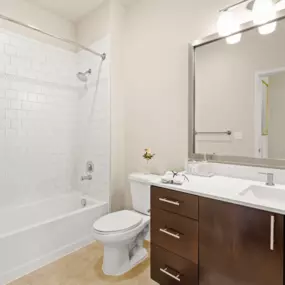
(86, 177)
(269, 178)
(89, 171)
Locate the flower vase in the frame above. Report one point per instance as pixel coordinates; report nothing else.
(147, 167)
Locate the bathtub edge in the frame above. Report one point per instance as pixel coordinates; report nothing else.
(29, 267)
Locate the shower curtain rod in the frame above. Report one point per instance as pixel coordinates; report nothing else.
(102, 55)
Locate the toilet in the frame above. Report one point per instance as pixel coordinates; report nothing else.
(123, 233)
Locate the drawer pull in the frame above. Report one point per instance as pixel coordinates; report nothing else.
(176, 203)
(165, 231)
(169, 274)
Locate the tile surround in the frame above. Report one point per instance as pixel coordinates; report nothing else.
(40, 98)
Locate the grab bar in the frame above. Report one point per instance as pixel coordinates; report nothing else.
(214, 133)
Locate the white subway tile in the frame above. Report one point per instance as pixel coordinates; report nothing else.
(37, 106)
(15, 124)
(11, 94)
(11, 70)
(27, 106)
(4, 84)
(32, 97)
(41, 98)
(10, 50)
(4, 123)
(27, 73)
(20, 62)
(2, 114)
(5, 59)
(4, 38)
(11, 133)
(15, 104)
(12, 114)
(23, 96)
(3, 104)
(1, 48)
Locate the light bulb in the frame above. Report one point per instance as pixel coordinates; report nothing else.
(227, 24)
(233, 39)
(263, 11)
(267, 29)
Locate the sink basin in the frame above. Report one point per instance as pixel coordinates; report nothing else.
(264, 193)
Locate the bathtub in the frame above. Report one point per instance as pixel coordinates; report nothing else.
(34, 235)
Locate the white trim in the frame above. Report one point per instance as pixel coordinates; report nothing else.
(258, 106)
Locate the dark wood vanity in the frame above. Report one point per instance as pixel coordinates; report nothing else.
(196, 240)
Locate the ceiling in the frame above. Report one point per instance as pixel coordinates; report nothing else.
(71, 10)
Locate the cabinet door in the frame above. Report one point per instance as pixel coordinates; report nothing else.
(239, 245)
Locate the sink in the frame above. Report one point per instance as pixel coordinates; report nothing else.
(264, 193)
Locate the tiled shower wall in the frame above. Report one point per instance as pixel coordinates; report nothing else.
(39, 105)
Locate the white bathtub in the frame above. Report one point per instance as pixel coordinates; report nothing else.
(34, 235)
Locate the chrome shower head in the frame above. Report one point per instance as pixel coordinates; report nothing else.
(83, 76)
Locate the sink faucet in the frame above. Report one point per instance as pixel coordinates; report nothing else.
(269, 178)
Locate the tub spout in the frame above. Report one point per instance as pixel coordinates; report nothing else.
(86, 177)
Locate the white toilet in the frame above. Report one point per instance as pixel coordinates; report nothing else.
(123, 233)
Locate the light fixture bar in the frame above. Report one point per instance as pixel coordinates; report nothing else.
(233, 5)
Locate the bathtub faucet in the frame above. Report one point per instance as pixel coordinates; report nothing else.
(86, 177)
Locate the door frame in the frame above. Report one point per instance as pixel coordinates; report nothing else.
(258, 107)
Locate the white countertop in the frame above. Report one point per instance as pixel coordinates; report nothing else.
(221, 188)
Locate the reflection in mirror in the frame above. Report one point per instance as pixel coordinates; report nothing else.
(240, 96)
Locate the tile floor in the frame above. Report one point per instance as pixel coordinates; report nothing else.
(83, 267)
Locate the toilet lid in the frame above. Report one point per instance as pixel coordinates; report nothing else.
(118, 221)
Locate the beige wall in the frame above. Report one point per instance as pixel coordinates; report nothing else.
(156, 77)
(118, 171)
(38, 17)
(95, 25)
(276, 135)
(225, 89)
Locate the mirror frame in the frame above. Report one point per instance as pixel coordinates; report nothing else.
(226, 159)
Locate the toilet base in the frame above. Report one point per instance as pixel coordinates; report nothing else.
(118, 262)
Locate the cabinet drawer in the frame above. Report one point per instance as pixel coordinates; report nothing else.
(175, 233)
(170, 269)
(176, 202)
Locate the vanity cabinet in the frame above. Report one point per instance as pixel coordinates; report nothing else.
(239, 245)
(174, 237)
(196, 240)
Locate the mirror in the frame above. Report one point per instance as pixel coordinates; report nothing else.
(240, 96)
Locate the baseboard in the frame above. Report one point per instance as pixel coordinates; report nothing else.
(43, 261)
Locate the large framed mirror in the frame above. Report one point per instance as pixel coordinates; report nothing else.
(237, 98)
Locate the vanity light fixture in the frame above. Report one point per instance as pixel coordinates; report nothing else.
(231, 40)
(227, 25)
(264, 11)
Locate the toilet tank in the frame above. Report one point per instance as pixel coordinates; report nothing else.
(140, 192)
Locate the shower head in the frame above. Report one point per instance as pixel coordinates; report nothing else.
(83, 76)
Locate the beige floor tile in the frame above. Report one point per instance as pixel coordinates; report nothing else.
(84, 267)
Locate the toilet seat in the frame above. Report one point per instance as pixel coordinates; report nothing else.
(117, 222)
